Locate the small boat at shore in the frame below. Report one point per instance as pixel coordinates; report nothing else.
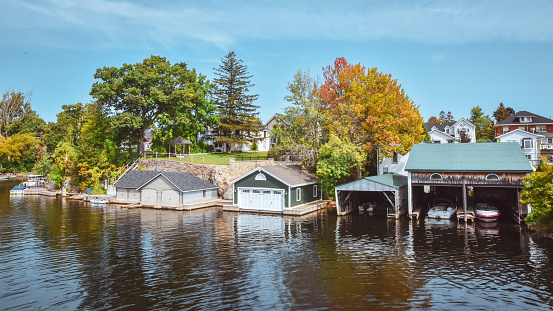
(486, 212)
(98, 200)
(17, 190)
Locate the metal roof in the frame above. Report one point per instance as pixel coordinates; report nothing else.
(392, 179)
(470, 157)
(386, 182)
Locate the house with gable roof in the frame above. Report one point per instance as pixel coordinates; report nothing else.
(450, 132)
(163, 188)
(533, 132)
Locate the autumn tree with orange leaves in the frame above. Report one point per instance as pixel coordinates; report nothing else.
(369, 109)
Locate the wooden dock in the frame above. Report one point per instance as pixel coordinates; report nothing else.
(295, 211)
(470, 216)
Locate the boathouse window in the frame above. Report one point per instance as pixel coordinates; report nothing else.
(298, 194)
(492, 177)
(205, 193)
(315, 191)
(436, 176)
(260, 176)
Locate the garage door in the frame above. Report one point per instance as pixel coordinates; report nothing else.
(260, 199)
(149, 196)
(170, 197)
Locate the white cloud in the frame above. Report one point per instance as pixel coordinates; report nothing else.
(103, 23)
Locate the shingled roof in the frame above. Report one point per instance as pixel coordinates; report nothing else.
(182, 180)
(439, 126)
(514, 119)
(293, 175)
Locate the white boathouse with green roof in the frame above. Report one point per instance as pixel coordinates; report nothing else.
(387, 192)
(468, 174)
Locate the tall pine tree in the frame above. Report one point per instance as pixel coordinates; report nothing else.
(237, 113)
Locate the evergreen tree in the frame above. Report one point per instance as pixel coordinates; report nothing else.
(450, 117)
(237, 113)
(443, 117)
(502, 112)
(483, 123)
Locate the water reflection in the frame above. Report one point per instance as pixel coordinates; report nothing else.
(63, 254)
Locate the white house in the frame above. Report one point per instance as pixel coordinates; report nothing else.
(395, 164)
(529, 142)
(450, 132)
(264, 138)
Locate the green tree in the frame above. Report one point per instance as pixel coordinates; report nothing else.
(31, 124)
(484, 125)
(13, 105)
(538, 192)
(68, 126)
(237, 113)
(302, 133)
(146, 90)
(338, 161)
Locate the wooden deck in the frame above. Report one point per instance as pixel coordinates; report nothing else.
(295, 211)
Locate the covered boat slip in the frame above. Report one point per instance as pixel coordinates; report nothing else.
(387, 194)
(468, 174)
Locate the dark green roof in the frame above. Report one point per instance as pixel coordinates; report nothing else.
(392, 180)
(470, 157)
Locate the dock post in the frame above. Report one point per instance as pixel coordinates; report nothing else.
(465, 198)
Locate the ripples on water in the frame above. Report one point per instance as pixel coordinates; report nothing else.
(59, 254)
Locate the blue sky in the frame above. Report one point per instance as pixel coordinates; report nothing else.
(448, 55)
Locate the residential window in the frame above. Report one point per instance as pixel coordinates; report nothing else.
(385, 170)
(505, 129)
(205, 193)
(527, 144)
(540, 128)
(260, 176)
(521, 128)
(298, 194)
(394, 158)
(315, 191)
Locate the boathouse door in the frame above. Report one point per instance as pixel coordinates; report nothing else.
(262, 199)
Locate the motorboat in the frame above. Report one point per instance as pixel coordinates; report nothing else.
(17, 190)
(98, 200)
(486, 212)
(441, 209)
(4, 177)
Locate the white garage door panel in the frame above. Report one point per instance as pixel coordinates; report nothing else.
(170, 197)
(269, 200)
(149, 196)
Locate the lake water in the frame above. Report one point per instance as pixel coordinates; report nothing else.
(58, 254)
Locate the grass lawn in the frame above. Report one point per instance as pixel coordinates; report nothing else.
(217, 158)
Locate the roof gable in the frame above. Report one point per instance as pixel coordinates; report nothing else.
(291, 175)
(519, 132)
(473, 157)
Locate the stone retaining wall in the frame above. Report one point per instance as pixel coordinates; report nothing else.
(220, 175)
